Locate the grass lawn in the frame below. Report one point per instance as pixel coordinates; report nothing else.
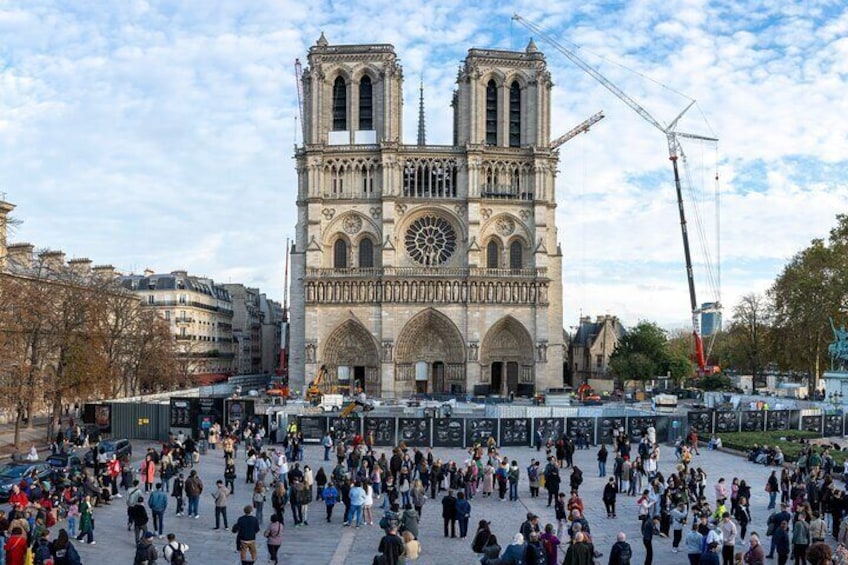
(789, 442)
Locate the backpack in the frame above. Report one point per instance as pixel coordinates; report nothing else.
(549, 547)
(625, 554)
(177, 555)
(41, 553)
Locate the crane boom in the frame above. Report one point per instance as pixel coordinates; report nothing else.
(673, 150)
(575, 131)
(298, 75)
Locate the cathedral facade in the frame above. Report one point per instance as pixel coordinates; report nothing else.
(424, 268)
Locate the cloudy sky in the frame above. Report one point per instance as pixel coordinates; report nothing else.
(160, 134)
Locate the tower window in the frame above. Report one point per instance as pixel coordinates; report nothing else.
(339, 105)
(515, 255)
(340, 254)
(366, 105)
(366, 254)
(491, 113)
(492, 253)
(514, 115)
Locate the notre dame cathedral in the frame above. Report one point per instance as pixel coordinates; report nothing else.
(426, 268)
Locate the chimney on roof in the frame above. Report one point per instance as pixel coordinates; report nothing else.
(148, 272)
(20, 255)
(80, 267)
(105, 272)
(52, 260)
(5, 208)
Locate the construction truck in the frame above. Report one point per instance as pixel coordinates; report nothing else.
(360, 403)
(587, 395)
(316, 388)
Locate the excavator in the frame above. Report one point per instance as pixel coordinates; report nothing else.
(315, 390)
(587, 395)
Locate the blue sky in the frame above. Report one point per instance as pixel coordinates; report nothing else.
(160, 134)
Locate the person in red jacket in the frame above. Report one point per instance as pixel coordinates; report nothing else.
(16, 547)
(18, 497)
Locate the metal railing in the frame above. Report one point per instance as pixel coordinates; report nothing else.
(424, 272)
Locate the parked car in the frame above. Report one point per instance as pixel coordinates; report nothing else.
(11, 474)
(118, 447)
(68, 464)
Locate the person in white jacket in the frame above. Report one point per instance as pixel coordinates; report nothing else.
(173, 545)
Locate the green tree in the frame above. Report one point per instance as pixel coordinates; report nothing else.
(641, 354)
(750, 332)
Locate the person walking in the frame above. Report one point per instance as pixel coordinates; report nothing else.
(274, 537)
(174, 551)
(610, 492)
(220, 496)
(177, 491)
(145, 551)
(463, 513)
(552, 480)
(139, 518)
(781, 542)
(694, 544)
(800, 538)
(158, 503)
(331, 496)
(621, 552)
(649, 527)
(512, 478)
(449, 513)
(193, 490)
(357, 501)
(246, 528)
(86, 529)
(391, 547)
(678, 516)
(728, 534)
(259, 496)
(603, 456)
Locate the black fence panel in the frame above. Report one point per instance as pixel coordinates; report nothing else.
(514, 432)
(794, 419)
(753, 421)
(637, 426)
(343, 429)
(380, 431)
(812, 423)
(777, 420)
(584, 427)
(727, 422)
(700, 421)
(414, 432)
(606, 426)
(312, 427)
(479, 430)
(448, 432)
(833, 425)
(550, 428)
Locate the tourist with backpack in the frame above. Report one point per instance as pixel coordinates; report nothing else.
(621, 551)
(551, 544)
(174, 551)
(274, 537)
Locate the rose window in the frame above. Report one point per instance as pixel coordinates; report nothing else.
(430, 241)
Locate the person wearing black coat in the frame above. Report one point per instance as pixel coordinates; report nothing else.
(608, 497)
(780, 540)
(449, 513)
(552, 480)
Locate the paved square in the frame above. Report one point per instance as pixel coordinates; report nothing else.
(321, 543)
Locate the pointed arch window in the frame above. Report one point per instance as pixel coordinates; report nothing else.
(515, 255)
(366, 254)
(491, 113)
(366, 104)
(339, 105)
(340, 254)
(514, 114)
(492, 253)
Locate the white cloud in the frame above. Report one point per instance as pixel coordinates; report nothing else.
(155, 134)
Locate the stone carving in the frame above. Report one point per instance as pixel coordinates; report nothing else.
(376, 212)
(400, 209)
(485, 213)
(310, 352)
(525, 214)
(542, 352)
(387, 351)
(328, 213)
(473, 351)
(505, 226)
(460, 209)
(838, 349)
(352, 224)
(430, 241)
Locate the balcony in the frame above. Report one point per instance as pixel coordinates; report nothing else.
(425, 272)
(504, 192)
(184, 320)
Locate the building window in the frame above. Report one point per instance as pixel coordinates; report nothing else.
(366, 105)
(339, 105)
(151, 299)
(367, 180)
(366, 254)
(182, 332)
(492, 252)
(515, 255)
(340, 254)
(491, 113)
(514, 115)
(430, 241)
(167, 314)
(182, 299)
(599, 361)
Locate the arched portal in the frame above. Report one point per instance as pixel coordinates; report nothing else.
(507, 358)
(352, 359)
(430, 355)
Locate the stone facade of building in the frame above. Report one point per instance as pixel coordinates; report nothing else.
(590, 350)
(421, 268)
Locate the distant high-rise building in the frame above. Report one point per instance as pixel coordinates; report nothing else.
(710, 318)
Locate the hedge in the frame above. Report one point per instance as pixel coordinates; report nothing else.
(788, 440)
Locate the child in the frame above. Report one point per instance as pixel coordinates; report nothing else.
(73, 512)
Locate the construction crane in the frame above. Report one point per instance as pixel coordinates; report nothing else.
(575, 131)
(298, 76)
(674, 150)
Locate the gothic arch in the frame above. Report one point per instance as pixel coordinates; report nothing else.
(352, 226)
(516, 76)
(505, 227)
(364, 70)
(351, 345)
(507, 356)
(495, 75)
(430, 336)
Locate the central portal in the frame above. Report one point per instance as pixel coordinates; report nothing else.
(431, 354)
